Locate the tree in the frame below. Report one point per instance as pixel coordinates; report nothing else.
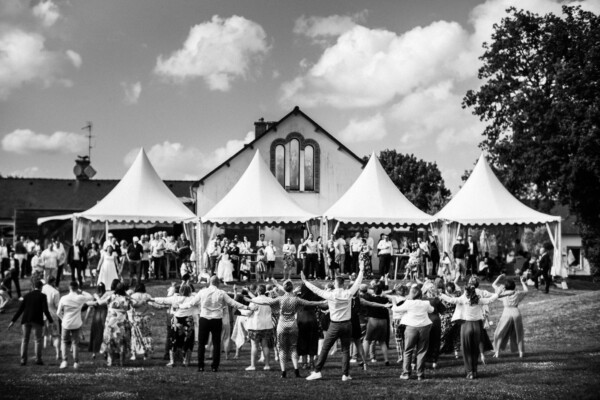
(420, 181)
(541, 98)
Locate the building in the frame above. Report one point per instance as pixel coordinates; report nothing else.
(24, 200)
(312, 165)
(572, 248)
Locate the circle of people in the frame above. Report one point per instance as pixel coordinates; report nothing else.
(302, 323)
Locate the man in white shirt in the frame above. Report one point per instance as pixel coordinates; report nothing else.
(212, 252)
(355, 249)
(69, 311)
(261, 242)
(62, 259)
(212, 300)
(384, 250)
(260, 328)
(158, 257)
(311, 248)
(340, 327)
(50, 259)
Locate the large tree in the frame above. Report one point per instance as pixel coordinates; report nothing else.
(420, 181)
(541, 98)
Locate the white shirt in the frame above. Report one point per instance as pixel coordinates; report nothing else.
(356, 244)
(470, 312)
(261, 243)
(416, 313)
(340, 247)
(212, 300)
(260, 319)
(270, 252)
(69, 309)
(4, 251)
(50, 258)
(384, 247)
(339, 300)
(37, 264)
(53, 297)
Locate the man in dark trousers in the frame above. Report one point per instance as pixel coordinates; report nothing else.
(459, 250)
(33, 307)
(545, 265)
(472, 254)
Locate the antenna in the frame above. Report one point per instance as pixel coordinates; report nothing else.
(88, 127)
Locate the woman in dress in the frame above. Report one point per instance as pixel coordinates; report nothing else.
(510, 326)
(451, 320)
(308, 329)
(289, 258)
(470, 330)
(271, 255)
(378, 324)
(287, 326)
(435, 334)
(117, 329)
(99, 312)
(225, 266)
(413, 266)
(141, 334)
(181, 335)
(108, 267)
(364, 258)
(322, 268)
(93, 258)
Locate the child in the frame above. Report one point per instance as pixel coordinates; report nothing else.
(245, 269)
(446, 268)
(260, 264)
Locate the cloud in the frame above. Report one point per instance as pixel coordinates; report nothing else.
(47, 12)
(75, 58)
(28, 172)
(24, 58)
(334, 25)
(434, 116)
(132, 92)
(25, 141)
(218, 51)
(372, 128)
(174, 160)
(370, 67)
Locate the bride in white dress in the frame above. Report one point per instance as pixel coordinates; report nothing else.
(108, 269)
(225, 266)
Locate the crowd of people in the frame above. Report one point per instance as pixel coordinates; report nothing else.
(427, 313)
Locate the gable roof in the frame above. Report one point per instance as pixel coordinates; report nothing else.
(273, 128)
(374, 199)
(66, 195)
(483, 200)
(141, 196)
(257, 198)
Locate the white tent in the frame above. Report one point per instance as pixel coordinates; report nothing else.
(257, 198)
(141, 196)
(374, 199)
(483, 200)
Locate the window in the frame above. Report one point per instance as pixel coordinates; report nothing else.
(280, 164)
(309, 168)
(294, 164)
(574, 257)
(294, 161)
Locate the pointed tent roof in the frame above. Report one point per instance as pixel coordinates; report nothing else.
(141, 196)
(374, 199)
(483, 200)
(257, 197)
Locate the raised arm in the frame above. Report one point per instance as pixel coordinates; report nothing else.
(524, 283)
(268, 301)
(316, 290)
(495, 285)
(488, 300)
(358, 281)
(234, 303)
(319, 303)
(373, 304)
(451, 300)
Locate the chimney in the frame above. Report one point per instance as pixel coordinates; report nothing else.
(83, 170)
(261, 126)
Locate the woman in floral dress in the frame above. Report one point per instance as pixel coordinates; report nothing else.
(141, 334)
(451, 320)
(365, 258)
(289, 258)
(117, 330)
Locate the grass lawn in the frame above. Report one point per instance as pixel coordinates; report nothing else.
(562, 361)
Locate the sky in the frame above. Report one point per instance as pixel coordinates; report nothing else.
(187, 79)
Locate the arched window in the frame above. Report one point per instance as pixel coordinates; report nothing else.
(280, 164)
(309, 168)
(294, 164)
